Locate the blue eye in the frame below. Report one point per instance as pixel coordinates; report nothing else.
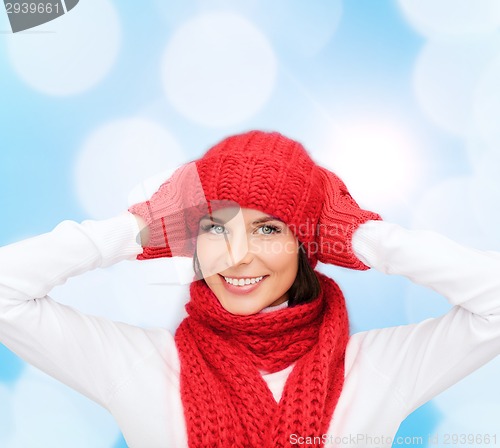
(216, 229)
(219, 229)
(269, 230)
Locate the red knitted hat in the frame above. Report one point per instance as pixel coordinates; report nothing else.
(259, 170)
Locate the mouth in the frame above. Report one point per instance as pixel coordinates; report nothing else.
(242, 285)
(242, 281)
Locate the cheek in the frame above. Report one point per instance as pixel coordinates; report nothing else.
(282, 257)
(212, 255)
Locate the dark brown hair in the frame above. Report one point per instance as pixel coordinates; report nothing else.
(306, 286)
(304, 289)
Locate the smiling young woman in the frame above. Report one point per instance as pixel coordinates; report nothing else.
(264, 357)
(264, 264)
(268, 243)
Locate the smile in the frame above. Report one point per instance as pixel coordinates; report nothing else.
(243, 281)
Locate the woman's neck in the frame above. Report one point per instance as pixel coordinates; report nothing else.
(270, 309)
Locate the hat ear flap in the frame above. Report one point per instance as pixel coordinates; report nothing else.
(340, 216)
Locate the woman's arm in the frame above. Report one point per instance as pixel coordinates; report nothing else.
(426, 358)
(88, 353)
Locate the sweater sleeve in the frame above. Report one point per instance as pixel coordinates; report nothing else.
(426, 358)
(77, 349)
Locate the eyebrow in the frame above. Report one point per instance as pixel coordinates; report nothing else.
(257, 221)
(266, 219)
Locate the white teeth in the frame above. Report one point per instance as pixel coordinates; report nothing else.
(243, 281)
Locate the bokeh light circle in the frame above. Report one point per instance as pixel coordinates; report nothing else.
(76, 53)
(298, 27)
(446, 76)
(118, 156)
(436, 18)
(218, 69)
(376, 159)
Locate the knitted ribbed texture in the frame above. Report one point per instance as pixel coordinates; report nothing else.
(260, 170)
(340, 216)
(169, 214)
(226, 401)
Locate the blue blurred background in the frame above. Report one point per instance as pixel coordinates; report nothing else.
(401, 98)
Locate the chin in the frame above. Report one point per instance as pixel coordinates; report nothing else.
(242, 310)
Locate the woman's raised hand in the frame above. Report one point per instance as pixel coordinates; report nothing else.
(164, 218)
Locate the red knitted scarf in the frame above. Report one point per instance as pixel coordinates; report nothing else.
(227, 402)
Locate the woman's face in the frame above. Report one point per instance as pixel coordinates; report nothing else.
(248, 258)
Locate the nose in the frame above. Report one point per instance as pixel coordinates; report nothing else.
(239, 249)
